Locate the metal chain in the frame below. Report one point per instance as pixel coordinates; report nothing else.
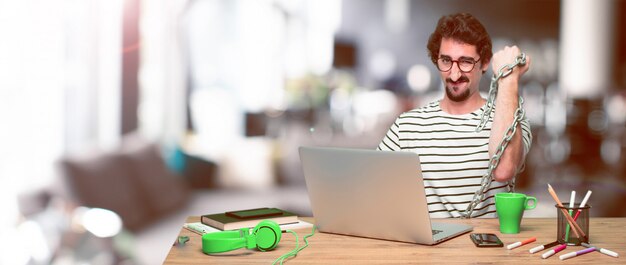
(519, 115)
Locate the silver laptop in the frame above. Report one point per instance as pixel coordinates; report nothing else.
(374, 194)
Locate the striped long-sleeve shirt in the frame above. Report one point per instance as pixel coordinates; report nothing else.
(453, 156)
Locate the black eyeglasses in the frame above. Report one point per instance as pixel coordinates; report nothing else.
(466, 65)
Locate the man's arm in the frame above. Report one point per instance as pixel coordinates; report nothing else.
(506, 104)
(391, 141)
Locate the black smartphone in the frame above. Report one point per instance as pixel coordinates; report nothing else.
(255, 213)
(486, 240)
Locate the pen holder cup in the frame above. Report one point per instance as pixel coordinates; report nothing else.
(565, 233)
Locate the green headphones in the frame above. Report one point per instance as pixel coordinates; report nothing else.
(265, 236)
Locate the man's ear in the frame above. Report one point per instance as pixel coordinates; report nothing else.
(484, 66)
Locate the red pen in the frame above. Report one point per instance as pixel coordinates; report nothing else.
(542, 247)
(549, 253)
(521, 243)
(582, 204)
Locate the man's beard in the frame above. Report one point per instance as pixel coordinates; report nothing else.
(457, 97)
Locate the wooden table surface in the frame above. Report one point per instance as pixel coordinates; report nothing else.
(326, 248)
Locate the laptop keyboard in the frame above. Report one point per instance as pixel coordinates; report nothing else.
(436, 231)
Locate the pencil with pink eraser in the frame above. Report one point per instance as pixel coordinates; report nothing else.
(576, 229)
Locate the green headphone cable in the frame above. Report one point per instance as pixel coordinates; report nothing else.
(297, 249)
(291, 253)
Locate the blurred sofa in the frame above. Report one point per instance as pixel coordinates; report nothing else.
(136, 182)
(133, 181)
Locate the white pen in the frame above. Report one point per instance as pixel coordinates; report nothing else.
(521, 243)
(602, 250)
(571, 206)
(572, 199)
(196, 228)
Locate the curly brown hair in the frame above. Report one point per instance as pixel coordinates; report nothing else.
(462, 27)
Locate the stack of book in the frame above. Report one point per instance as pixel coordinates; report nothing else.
(248, 218)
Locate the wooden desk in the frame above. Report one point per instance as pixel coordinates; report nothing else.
(325, 248)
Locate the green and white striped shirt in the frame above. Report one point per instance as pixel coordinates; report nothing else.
(453, 156)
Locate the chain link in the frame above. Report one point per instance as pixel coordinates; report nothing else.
(519, 115)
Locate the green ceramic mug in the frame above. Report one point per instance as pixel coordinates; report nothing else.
(510, 208)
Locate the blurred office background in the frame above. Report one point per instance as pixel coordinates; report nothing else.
(122, 117)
